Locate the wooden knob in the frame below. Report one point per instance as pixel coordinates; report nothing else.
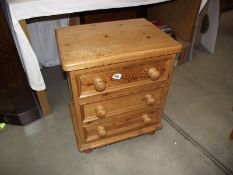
(149, 100)
(101, 131)
(146, 119)
(153, 74)
(99, 84)
(100, 111)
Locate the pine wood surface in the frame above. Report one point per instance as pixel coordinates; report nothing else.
(131, 74)
(86, 46)
(106, 110)
(123, 104)
(120, 126)
(85, 146)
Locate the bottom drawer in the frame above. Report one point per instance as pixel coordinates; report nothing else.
(121, 126)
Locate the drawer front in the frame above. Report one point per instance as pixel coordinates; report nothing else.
(121, 126)
(118, 77)
(108, 108)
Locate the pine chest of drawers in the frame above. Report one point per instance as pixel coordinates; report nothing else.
(119, 73)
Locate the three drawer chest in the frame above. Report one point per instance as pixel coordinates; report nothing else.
(119, 74)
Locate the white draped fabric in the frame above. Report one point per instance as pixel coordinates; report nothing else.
(44, 42)
(25, 9)
(42, 33)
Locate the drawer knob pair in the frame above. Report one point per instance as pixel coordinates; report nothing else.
(100, 111)
(99, 85)
(149, 100)
(101, 131)
(153, 74)
(146, 119)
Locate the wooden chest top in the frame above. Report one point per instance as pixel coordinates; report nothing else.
(86, 46)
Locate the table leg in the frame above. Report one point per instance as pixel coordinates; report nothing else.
(41, 95)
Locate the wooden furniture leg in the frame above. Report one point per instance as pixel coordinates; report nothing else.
(231, 135)
(41, 95)
(88, 151)
(151, 133)
(43, 101)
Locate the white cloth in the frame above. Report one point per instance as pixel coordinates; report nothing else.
(25, 9)
(44, 42)
(203, 2)
(29, 60)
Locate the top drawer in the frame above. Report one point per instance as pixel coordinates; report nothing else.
(126, 75)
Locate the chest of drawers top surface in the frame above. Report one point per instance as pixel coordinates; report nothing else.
(99, 44)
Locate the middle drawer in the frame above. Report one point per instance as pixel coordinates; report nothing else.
(112, 107)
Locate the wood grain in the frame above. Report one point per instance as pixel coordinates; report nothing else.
(120, 126)
(130, 74)
(99, 44)
(122, 104)
(105, 110)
